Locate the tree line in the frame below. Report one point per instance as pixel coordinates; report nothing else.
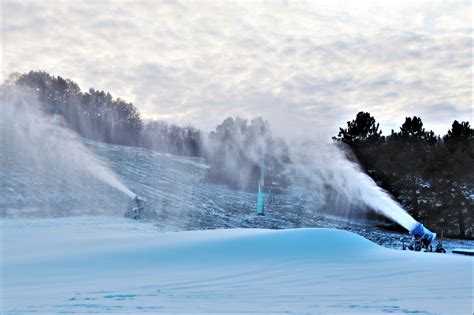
(432, 176)
(93, 114)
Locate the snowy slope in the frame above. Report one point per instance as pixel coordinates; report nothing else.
(173, 186)
(106, 265)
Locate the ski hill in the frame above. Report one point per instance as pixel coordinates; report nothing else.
(174, 187)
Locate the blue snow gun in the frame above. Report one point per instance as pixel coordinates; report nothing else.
(422, 239)
(423, 234)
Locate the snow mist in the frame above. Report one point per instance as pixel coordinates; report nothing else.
(44, 143)
(326, 168)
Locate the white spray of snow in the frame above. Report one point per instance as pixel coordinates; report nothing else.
(27, 133)
(326, 168)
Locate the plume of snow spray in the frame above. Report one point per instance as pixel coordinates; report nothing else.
(327, 169)
(31, 133)
(323, 168)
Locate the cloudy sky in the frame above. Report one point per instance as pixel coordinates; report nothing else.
(304, 66)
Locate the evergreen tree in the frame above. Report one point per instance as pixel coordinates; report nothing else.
(459, 131)
(361, 129)
(412, 127)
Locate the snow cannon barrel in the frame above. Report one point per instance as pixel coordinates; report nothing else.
(420, 232)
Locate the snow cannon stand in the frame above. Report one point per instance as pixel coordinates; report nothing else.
(137, 210)
(422, 240)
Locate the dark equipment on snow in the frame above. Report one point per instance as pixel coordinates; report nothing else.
(422, 239)
(137, 210)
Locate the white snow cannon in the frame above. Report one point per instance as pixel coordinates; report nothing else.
(422, 239)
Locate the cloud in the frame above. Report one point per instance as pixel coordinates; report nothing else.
(305, 66)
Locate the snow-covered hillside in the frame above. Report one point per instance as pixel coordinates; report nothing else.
(116, 265)
(173, 186)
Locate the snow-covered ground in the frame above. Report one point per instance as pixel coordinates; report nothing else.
(104, 264)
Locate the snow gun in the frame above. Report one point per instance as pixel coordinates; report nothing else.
(136, 208)
(422, 239)
(425, 235)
